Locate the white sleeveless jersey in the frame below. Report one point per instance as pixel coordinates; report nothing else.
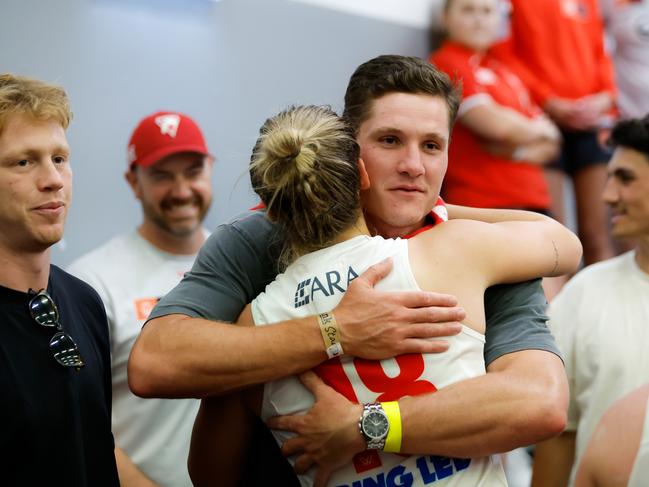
(640, 472)
(314, 284)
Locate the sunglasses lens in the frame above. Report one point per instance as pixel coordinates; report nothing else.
(43, 310)
(65, 351)
(63, 348)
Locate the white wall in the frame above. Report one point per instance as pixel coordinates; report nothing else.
(229, 64)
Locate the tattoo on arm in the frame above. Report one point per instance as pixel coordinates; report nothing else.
(556, 257)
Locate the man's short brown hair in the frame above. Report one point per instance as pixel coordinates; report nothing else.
(396, 74)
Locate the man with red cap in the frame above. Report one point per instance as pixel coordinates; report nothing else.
(169, 171)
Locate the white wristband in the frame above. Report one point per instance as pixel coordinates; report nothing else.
(330, 335)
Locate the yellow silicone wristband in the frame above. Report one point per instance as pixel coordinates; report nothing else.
(393, 440)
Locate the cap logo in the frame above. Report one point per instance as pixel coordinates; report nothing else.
(168, 124)
(132, 154)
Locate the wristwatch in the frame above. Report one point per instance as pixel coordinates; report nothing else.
(374, 425)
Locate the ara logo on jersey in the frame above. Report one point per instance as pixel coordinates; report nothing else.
(327, 285)
(168, 124)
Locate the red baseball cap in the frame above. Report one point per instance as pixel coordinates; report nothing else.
(162, 134)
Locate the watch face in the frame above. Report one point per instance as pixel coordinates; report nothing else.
(375, 425)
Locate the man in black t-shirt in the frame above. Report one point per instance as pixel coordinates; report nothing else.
(54, 355)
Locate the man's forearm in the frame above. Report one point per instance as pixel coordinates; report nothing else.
(541, 152)
(178, 356)
(521, 401)
(491, 215)
(222, 430)
(553, 461)
(498, 124)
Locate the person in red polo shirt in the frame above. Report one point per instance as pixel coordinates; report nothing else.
(557, 48)
(501, 138)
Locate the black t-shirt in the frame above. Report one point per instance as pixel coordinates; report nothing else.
(56, 421)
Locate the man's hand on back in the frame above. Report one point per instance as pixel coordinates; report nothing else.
(372, 325)
(327, 436)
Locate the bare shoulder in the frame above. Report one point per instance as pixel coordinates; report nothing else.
(624, 419)
(449, 239)
(614, 444)
(634, 402)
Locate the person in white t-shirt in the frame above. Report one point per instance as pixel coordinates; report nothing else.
(600, 318)
(627, 28)
(170, 173)
(307, 171)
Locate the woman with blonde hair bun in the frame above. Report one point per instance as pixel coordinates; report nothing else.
(306, 169)
(301, 170)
